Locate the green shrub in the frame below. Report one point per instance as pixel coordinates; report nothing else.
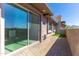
(59, 34)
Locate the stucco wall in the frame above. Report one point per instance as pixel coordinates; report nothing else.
(73, 39)
(43, 28)
(0, 30)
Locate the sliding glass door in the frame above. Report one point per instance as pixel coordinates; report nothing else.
(34, 27)
(16, 27)
(21, 27)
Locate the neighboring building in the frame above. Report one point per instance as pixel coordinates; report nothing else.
(24, 24)
(60, 25)
(63, 25)
(58, 21)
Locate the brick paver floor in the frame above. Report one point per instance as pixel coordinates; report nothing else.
(60, 48)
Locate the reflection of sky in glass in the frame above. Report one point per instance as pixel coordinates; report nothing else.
(14, 17)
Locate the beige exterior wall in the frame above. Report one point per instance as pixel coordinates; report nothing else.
(0, 29)
(1, 33)
(73, 39)
(43, 28)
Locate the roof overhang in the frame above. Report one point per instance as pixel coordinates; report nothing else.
(42, 7)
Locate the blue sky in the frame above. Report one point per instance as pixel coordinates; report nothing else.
(69, 12)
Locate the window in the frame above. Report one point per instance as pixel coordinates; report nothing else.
(16, 27)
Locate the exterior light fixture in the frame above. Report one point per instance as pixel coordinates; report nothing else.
(44, 10)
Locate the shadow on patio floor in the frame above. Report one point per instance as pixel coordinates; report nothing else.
(60, 48)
